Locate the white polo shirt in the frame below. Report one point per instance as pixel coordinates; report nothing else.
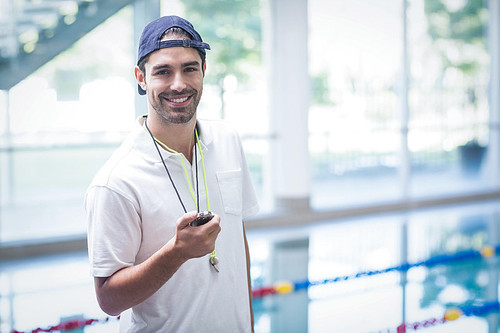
(132, 211)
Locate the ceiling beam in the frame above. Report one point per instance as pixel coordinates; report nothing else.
(89, 16)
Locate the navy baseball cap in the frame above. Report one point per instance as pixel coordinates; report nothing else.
(151, 38)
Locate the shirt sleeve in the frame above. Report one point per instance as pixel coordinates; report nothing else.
(113, 231)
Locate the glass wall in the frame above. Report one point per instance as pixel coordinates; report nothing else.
(63, 123)
(355, 65)
(448, 96)
(400, 106)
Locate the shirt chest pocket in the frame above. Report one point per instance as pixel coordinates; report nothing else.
(230, 186)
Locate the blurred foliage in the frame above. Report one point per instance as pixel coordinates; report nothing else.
(233, 30)
(320, 89)
(457, 29)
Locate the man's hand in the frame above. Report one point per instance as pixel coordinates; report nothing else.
(196, 241)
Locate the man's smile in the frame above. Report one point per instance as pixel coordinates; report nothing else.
(178, 101)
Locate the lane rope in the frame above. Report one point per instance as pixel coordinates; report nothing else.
(69, 325)
(286, 287)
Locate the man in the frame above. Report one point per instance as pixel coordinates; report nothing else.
(149, 262)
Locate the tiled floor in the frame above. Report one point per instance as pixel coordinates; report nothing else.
(39, 292)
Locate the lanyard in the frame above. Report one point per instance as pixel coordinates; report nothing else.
(214, 261)
(195, 199)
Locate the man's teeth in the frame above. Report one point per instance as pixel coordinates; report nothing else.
(178, 100)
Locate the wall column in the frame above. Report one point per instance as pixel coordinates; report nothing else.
(494, 92)
(289, 92)
(6, 150)
(404, 155)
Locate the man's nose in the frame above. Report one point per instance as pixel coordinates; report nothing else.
(178, 82)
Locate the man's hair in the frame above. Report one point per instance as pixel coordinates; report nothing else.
(171, 32)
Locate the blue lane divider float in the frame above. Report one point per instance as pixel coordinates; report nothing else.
(285, 287)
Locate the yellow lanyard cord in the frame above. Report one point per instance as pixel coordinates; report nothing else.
(186, 172)
(213, 254)
(202, 167)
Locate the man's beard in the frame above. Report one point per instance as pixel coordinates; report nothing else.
(180, 115)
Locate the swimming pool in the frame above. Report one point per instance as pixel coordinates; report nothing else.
(350, 275)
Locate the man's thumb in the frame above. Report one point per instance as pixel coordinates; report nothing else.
(187, 218)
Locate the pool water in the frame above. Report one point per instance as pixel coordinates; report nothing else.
(312, 271)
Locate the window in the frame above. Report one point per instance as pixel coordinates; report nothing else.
(398, 116)
(355, 52)
(448, 96)
(64, 121)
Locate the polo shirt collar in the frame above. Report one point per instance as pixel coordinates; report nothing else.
(143, 143)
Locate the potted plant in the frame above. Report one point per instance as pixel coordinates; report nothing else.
(472, 152)
(471, 156)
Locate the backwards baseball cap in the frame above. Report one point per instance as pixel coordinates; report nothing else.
(151, 38)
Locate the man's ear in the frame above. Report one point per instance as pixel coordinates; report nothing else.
(204, 68)
(139, 76)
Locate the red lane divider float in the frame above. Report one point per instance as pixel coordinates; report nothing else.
(69, 325)
(451, 314)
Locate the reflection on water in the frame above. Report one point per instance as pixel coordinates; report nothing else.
(383, 302)
(40, 292)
